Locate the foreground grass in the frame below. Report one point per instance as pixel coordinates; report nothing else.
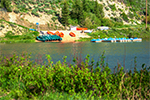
(20, 78)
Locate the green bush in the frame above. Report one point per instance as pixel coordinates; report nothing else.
(107, 8)
(120, 9)
(41, 9)
(107, 22)
(148, 19)
(54, 18)
(125, 17)
(113, 8)
(130, 15)
(147, 29)
(34, 12)
(17, 11)
(2, 26)
(6, 4)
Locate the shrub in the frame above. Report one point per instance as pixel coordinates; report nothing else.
(107, 8)
(50, 11)
(54, 18)
(148, 20)
(114, 14)
(41, 9)
(34, 12)
(47, 5)
(16, 11)
(125, 17)
(6, 4)
(2, 26)
(113, 8)
(147, 29)
(107, 22)
(120, 9)
(130, 15)
(25, 79)
(40, 4)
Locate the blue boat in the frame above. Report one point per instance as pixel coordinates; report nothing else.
(117, 40)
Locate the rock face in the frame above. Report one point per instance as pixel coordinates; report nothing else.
(29, 20)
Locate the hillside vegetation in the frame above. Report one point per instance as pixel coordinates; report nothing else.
(86, 13)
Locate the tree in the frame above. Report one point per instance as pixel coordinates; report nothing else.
(98, 10)
(85, 6)
(146, 13)
(77, 11)
(6, 4)
(65, 14)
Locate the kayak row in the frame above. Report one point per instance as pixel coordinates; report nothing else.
(48, 37)
(117, 40)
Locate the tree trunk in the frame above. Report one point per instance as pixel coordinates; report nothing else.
(146, 13)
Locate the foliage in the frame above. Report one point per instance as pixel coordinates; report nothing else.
(147, 29)
(131, 15)
(113, 8)
(148, 19)
(98, 10)
(91, 21)
(12, 38)
(125, 17)
(107, 22)
(20, 78)
(6, 4)
(122, 31)
(65, 14)
(77, 9)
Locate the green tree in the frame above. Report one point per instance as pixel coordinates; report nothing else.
(65, 14)
(85, 6)
(6, 4)
(98, 10)
(81, 16)
(77, 11)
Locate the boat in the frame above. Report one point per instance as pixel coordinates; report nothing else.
(137, 39)
(80, 28)
(72, 34)
(96, 40)
(117, 40)
(48, 38)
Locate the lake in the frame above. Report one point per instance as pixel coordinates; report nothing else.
(115, 53)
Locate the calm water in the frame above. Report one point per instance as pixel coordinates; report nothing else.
(122, 53)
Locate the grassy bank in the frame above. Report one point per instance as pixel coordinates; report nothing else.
(120, 32)
(20, 78)
(24, 38)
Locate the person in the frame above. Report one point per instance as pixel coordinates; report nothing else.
(82, 31)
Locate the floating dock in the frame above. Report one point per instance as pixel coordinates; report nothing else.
(117, 40)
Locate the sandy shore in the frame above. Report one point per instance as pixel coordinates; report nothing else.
(68, 38)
